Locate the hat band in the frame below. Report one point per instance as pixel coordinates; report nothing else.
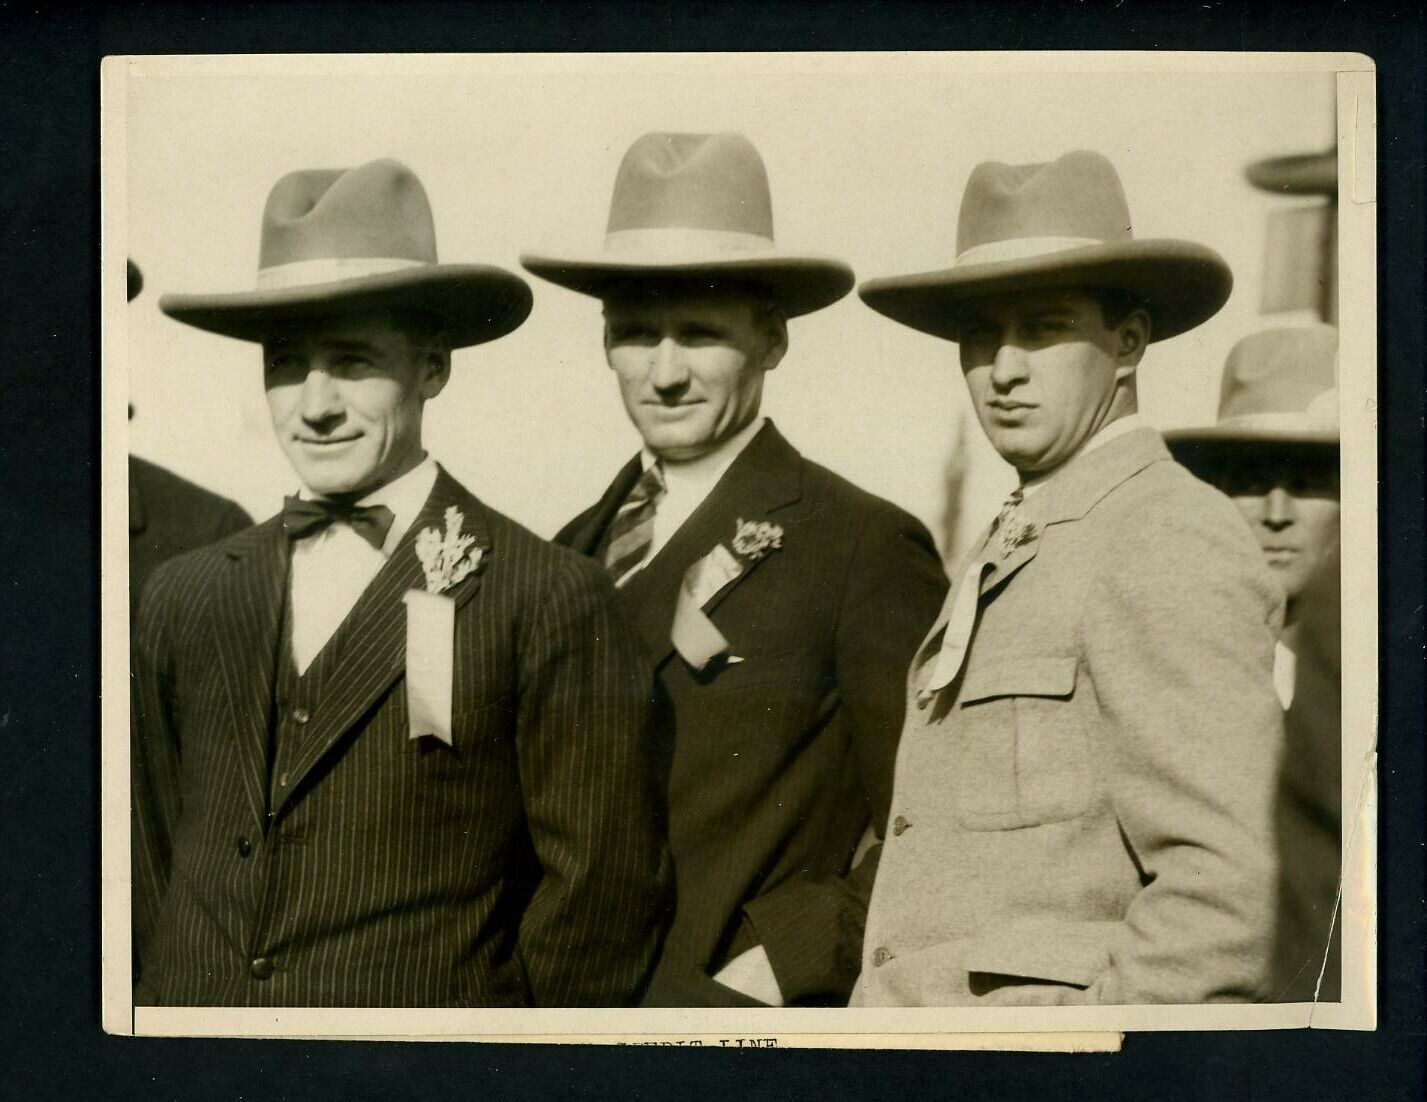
(334, 269)
(1022, 248)
(679, 243)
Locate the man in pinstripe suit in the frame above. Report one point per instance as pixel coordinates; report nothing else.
(389, 747)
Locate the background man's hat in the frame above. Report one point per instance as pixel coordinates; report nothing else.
(1298, 174)
(1280, 386)
(696, 207)
(136, 281)
(1062, 225)
(346, 240)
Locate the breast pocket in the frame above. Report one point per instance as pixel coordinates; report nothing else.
(1024, 757)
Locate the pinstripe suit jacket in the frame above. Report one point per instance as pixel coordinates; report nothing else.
(779, 763)
(523, 864)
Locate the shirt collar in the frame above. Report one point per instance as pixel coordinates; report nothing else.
(1115, 429)
(708, 468)
(404, 496)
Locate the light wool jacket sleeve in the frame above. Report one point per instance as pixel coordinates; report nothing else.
(1180, 646)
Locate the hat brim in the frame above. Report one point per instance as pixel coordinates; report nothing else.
(800, 284)
(1181, 283)
(1229, 434)
(477, 303)
(1302, 174)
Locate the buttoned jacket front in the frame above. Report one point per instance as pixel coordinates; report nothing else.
(1085, 813)
(320, 856)
(779, 756)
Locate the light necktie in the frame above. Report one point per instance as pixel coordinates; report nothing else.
(632, 530)
(1007, 529)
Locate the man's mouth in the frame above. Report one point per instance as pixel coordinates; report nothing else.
(326, 441)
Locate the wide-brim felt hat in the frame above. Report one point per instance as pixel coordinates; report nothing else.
(336, 242)
(1280, 387)
(695, 209)
(1057, 226)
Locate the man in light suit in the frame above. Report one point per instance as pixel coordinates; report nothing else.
(389, 747)
(1083, 802)
(778, 603)
(1274, 451)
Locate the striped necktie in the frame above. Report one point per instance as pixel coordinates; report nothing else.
(632, 530)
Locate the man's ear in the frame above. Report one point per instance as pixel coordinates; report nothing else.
(1132, 337)
(776, 326)
(435, 366)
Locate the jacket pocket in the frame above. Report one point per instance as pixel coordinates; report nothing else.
(1024, 757)
(1032, 952)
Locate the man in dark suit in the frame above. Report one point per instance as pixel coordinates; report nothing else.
(389, 747)
(167, 514)
(779, 603)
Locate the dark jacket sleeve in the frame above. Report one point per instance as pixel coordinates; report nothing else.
(811, 928)
(154, 762)
(591, 930)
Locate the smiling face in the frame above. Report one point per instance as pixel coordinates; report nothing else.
(691, 364)
(346, 397)
(1045, 372)
(1289, 496)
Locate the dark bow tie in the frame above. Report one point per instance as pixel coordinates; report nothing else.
(301, 517)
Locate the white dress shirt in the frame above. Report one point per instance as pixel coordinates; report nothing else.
(687, 484)
(332, 568)
(1285, 672)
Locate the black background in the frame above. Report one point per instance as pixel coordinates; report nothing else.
(49, 588)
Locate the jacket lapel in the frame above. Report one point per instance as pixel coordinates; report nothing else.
(1073, 492)
(371, 641)
(250, 599)
(765, 477)
(583, 534)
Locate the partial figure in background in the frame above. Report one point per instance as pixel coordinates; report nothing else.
(390, 749)
(1275, 449)
(1083, 810)
(778, 602)
(168, 514)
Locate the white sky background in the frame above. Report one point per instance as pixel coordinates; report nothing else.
(866, 165)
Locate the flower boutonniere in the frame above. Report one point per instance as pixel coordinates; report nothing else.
(753, 539)
(448, 557)
(1015, 532)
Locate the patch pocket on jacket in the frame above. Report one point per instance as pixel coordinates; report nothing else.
(1024, 758)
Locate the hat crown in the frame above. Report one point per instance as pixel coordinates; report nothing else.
(713, 182)
(1279, 371)
(1077, 196)
(378, 210)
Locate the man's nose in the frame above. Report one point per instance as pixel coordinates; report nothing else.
(319, 398)
(1278, 508)
(668, 371)
(1008, 367)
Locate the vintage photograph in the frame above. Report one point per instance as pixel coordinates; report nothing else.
(814, 544)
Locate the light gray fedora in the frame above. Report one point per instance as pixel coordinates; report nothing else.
(696, 208)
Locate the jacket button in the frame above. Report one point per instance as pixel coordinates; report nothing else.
(300, 715)
(261, 968)
(899, 824)
(881, 956)
(245, 847)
